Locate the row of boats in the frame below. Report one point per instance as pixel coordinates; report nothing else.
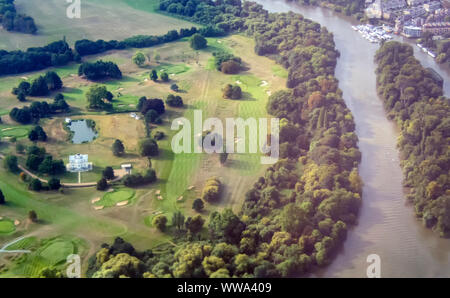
(425, 50)
(372, 33)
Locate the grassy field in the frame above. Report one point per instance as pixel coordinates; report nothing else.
(112, 19)
(6, 226)
(73, 212)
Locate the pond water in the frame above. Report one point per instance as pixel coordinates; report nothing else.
(82, 133)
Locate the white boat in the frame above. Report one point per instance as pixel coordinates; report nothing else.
(431, 54)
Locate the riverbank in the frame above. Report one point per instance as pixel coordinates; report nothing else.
(387, 225)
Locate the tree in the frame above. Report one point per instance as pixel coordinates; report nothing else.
(108, 173)
(54, 184)
(164, 77)
(36, 185)
(96, 97)
(102, 184)
(39, 87)
(198, 205)
(154, 75)
(148, 147)
(198, 42)
(160, 222)
(139, 58)
(230, 67)
(195, 224)
(178, 220)
(53, 81)
(2, 198)
(99, 70)
(117, 148)
(174, 100)
(174, 87)
(211, 191)
(37, 134)
(152, 117)
(10, 163)
(32, 216)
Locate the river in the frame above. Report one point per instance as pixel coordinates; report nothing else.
(387, 225)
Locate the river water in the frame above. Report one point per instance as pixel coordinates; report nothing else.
(387, 226)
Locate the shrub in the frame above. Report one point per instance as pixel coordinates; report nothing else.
(198, 42)
(54, 184)
(211, 191)
(102, 184)
(174, 100)
(160, 222)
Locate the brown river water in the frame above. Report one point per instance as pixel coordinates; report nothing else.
(387, 225)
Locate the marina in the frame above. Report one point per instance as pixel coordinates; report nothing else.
(374, 34)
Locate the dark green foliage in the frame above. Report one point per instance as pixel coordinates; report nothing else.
(198, 205)
(11, 20)
(36, 185)
(153, 75)
(54, 184)
(98, 98)
(134, 180)
(37, 134)
(10, 163)
(102, 184)
(99, 70)
(174, 87)
(2, 198)
(198, 42)
(117, 148)
(414, 99)
(148, 147)
(232, 92)
(174, 100)
(32, 216)
(164, 77)
(155, 104)
(108, 173)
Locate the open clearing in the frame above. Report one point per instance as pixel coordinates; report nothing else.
(112, 19)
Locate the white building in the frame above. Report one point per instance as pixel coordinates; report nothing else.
(79, 163)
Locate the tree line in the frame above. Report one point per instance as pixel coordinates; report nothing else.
(415, 101)
(296, 216)
(13, 21)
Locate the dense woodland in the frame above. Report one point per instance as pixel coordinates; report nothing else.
(347, 7)
(416, 102)
(296, 216)
(59, 53)
(11, 20)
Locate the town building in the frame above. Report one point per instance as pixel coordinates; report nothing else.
(432, 6)
(415, 2)
(412, 31)
(437, 28)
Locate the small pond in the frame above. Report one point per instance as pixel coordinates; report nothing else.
(83, 131)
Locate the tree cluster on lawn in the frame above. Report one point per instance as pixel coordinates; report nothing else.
(198, 42)
(296, 216)
(118, 148)
(37, 134)
(99, 98)
(38, 110)
(54, 54)
(232, 92)
(138, 179)
(156, 104)
(415, 101)
(227, 62)
(99, 70)
(174, 100)
(38, 160)
(41, 86)
(11, 20)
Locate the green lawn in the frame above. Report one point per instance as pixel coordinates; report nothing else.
(110, 199)
(6, 226)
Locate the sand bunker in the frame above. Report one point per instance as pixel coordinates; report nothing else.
(238, 82)
(99, 207)
(191, 187)
(269, 93)
(158, 192)
(122, 203)
(264, 83)
(160, 198)
(180, 198)
(95, 200)
(16, 222)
